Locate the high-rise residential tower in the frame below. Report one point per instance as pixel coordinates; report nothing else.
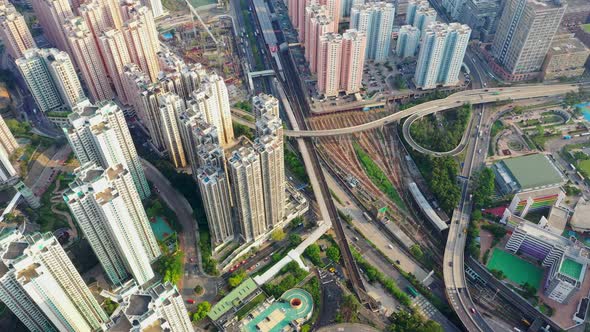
(329, 64)
(101, 15)
(375, 19)
(341, 60)
(143, 95)
(413, 6)
(7, 147)
(333, 11)
(524, 34)
(214, 188)
(14, 31)
(142, 41)
(270, 148)
(51, 79)
(265, 104)
(51, 15)
(423, 16)
(212, 99)
(109, 198)
(155, 6)
(353, 61)
(160, 308)
(171, 105)
(246, 182)
(7, 140)
(114, 51)
(41, 286)
(317, 24)
(85, 52)
(7, 171)
(82, 202)
(407, 41)
(441, 55)
(100, 135)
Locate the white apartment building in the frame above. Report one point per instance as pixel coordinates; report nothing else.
(51, 79)
(99, 134)
(42, 287)
(215, 192)
(246, 181)
(375, 19)
(171, 106)
(441, 55)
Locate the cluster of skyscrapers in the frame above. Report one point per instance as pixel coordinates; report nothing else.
(440, 47)
(338, 59)
(523, 32)
(41, 286)
(253, 170)
(98, 43)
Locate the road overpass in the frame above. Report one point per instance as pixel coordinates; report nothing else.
(473, 97)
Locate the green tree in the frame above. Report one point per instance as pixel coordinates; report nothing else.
(199, 289)
(529, 290)
(109, 306)
(169, 266)
(313, 254)
(333, 253)
(484, 188)
(416, 251)
(443, 182)
(476, 215)
(18, 128)
(498, 274)
(400, 83)
(241, 130)
(202, 310)
(236, 278)
(403, 321)
(294, 240)
(349, 309)
(278, 235)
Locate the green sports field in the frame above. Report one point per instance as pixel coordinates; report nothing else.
(586, 27)
(585, 165)
(516, 269)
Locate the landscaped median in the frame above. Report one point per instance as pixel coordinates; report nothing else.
(375, 275)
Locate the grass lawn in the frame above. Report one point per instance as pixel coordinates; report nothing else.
(516, 269)
(585, 165)
(586, 27)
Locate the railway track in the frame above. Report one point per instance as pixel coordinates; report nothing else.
(295, 94)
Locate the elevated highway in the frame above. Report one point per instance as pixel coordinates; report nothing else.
(473, 97)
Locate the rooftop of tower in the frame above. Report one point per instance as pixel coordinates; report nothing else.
(138, 305)
(546, 4)
(15, 250)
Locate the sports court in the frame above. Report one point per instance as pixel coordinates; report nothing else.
(516, 269)
(161, 228)
(585, 107)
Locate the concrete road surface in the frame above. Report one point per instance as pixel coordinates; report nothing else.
(193, 274)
